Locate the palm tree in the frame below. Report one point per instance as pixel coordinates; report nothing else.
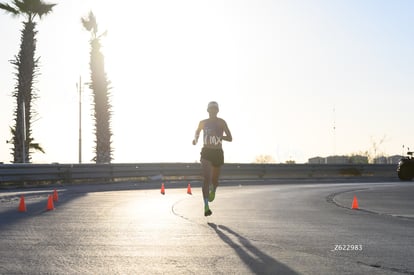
(27, 70)
(100, 87)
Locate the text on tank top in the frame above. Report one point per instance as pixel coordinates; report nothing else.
(213, 133)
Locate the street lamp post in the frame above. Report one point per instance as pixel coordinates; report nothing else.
(24, 132)
(79, 87)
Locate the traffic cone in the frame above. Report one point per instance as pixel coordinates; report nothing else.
(50, 205)
(189, 189)
(355, 203)
(55, 195)
(22, 205)
(162, 189)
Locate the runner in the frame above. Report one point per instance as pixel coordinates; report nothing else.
(212, 157)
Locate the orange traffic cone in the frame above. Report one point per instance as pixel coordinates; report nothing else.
(50, 205)
(355, 203)
(189, 189)
(55, 195)
(22, 205)
(162, 189)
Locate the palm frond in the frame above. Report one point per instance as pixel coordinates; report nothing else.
(9, 9)
(22, 6)
(37, 147)
(44, 9)
(105, 33)
(86, 24)
(33, 7)
(90, 23)
(12, 131)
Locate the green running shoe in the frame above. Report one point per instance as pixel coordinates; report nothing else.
(207, 211)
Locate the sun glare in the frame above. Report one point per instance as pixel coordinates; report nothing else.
(156, 97)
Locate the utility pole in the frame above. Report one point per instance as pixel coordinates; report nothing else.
(24, 132)
(334, 132)
(79, 87)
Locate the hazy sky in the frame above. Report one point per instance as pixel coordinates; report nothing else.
(282, 72)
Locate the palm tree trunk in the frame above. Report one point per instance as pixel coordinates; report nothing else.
(26, 67)
(99, 86)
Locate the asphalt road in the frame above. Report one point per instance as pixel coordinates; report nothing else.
(295, 228)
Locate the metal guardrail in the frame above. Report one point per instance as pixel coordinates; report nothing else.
(68, 173)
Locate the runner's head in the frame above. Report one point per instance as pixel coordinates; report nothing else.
(213, 108)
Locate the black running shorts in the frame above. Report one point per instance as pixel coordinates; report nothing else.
(215, 156)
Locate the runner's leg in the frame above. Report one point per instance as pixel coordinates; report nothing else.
(206, 166)
(215, 174)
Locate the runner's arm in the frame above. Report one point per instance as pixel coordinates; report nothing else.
(197, 133)
(228, 136)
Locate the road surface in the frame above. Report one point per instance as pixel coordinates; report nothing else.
(256, 228)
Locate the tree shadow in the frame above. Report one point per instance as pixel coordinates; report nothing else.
(257, 261)
(66, 193)
(34, 209)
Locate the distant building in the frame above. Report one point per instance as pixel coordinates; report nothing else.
(380, 160)
(394, 159)
(358, 159)
(317, 160)
(387, 160)
(337, 160)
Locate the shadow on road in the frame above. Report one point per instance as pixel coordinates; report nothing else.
(34, 209)
(36, 198)
(258, 261)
